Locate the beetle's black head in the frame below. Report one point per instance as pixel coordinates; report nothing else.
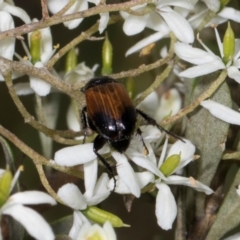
(97, 81)
(121, 145)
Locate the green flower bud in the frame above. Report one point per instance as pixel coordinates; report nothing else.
(71, 60)
(107, 52)
(5, 185)
(170, 164)
(100, 216)
(131, 88)
(35, 46)
(228, 44)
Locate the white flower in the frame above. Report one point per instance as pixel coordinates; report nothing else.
(15, 11)
(206, 61)
(83, 154)
(7, 45)
(80, 73)
(222, 112)
(166, 209)
(170, 104)
(26, 216)
(79, 5)
(39, 86)
(162, 19)
(94, 194)
(200, 11)
(95, 231)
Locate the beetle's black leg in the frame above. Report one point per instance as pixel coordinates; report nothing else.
(139, 132)
(99, 141)
(154, 123)
(84, 122)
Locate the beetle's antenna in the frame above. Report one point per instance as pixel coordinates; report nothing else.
(154, 123)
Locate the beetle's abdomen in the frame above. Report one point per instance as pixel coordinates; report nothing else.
(111, 110)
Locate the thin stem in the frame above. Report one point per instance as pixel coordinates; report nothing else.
(213, 87)
(231, 156)
(30, 119)
(36, 157)
(46, 184)
(83, 36)
(55, 19)
(45, 14)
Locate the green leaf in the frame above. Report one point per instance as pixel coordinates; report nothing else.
(208, 134)
(228, 216)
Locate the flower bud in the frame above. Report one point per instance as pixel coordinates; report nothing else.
(35, 46)
(5, 186)
(100, 216)
(107, 53)
(228, 44)
(71, 60)
(170, 164)
(131, 88)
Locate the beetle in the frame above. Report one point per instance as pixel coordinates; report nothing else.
(110, 112)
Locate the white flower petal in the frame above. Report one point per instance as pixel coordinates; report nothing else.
(233, 237)
(202, 69)
(71, 195)
(166, 207)
(190, 182)
(230, 13)
(163, 153)
(79, 154)
(149, 104)
(72, 119)
(222, 112)
(126, 173)
(101, 191)
(90, 177)
(39, 86)
(193, 55)
(88, 232)
(55, 5)
(176, 23)
(77, 224)
(111, 235)
(16, 11)
(143, 178)
(47, 45)
(146, 41)
(134, 24)
(31, 197)
(213, 5)
(170, 104)
(77, 7)
(23, 89)
(104, 18)
(234, 73)
(156, 23)
(186, 149)
(143, 162)
(34, 223)
(7, 46)
(178, 3)
(238, 190)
